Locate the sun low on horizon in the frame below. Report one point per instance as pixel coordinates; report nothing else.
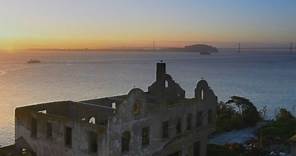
(137, 23)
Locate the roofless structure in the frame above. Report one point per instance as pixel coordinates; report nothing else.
(159, 122)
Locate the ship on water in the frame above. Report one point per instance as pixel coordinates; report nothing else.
(205, 53)
(32, 61)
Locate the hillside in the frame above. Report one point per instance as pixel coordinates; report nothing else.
(199, 48)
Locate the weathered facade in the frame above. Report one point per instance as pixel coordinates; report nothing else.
(159, 122)
(292, 142)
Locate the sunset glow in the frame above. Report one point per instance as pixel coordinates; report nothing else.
(133, 23)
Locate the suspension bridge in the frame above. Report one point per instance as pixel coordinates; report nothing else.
(291, 48)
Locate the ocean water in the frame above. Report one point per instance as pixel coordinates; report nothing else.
(267, 79)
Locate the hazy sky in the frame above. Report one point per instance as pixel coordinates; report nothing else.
(119, 23)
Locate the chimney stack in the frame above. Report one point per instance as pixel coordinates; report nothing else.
(160, 71)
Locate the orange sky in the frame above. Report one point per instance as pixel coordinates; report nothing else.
(133, 23)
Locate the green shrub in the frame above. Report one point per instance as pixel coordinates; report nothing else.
(236, 113)
(279, 130)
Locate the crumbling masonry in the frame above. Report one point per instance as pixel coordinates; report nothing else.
(160, 122)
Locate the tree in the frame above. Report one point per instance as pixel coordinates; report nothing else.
(227, 118)
(279, 130)
(284, 115)
(247, 110)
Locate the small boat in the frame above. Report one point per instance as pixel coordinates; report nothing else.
(205, 53)
(33, 61)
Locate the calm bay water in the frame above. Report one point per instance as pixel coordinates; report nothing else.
(268, 79)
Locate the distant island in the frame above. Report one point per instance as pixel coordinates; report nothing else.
(199, 48)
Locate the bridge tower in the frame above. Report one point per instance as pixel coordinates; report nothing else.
(239, 47)
(291, 48)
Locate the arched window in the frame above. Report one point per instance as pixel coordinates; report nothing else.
(137, 107)
(92, 120)
(68, 137)
(24, 151)
(125, 141)
(145, 136)
(179, 126)
(166, 84)
(210, 116)
(114, 105)
(202, 94)
(165, 129)
(92, 142)
(34, 128)
(189, 121)
(199, 119)
(49, 130)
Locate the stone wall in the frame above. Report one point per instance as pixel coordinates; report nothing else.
(98, 126)
(152, 115)
(55, 145)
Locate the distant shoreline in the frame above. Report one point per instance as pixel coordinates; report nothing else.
(168, 49)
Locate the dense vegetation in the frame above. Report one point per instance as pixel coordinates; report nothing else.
(236, 113)
(279, 130)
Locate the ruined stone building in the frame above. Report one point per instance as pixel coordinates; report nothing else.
(159, 122)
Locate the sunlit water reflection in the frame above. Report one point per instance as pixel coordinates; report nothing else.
(267, 79)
